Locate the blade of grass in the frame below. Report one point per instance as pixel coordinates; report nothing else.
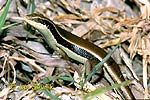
(100, 64)
(83, 76)
(4, 13)
(66, 78)
(30, 7)
(47, 80)
(99, 91)
(8, 26)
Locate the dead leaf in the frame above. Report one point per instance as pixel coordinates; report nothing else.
(145, 10)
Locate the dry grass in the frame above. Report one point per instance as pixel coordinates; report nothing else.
(29, 69)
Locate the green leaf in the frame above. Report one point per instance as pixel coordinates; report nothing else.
(100, 64)
(66, 78)
(47, 80)
(10, 25)
(31, 6)
(3, 15)
(99, 91)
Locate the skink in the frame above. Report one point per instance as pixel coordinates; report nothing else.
(75, 47)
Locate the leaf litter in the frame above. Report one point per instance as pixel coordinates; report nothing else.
(105, 20)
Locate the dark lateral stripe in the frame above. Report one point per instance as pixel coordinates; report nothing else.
(65, 43)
